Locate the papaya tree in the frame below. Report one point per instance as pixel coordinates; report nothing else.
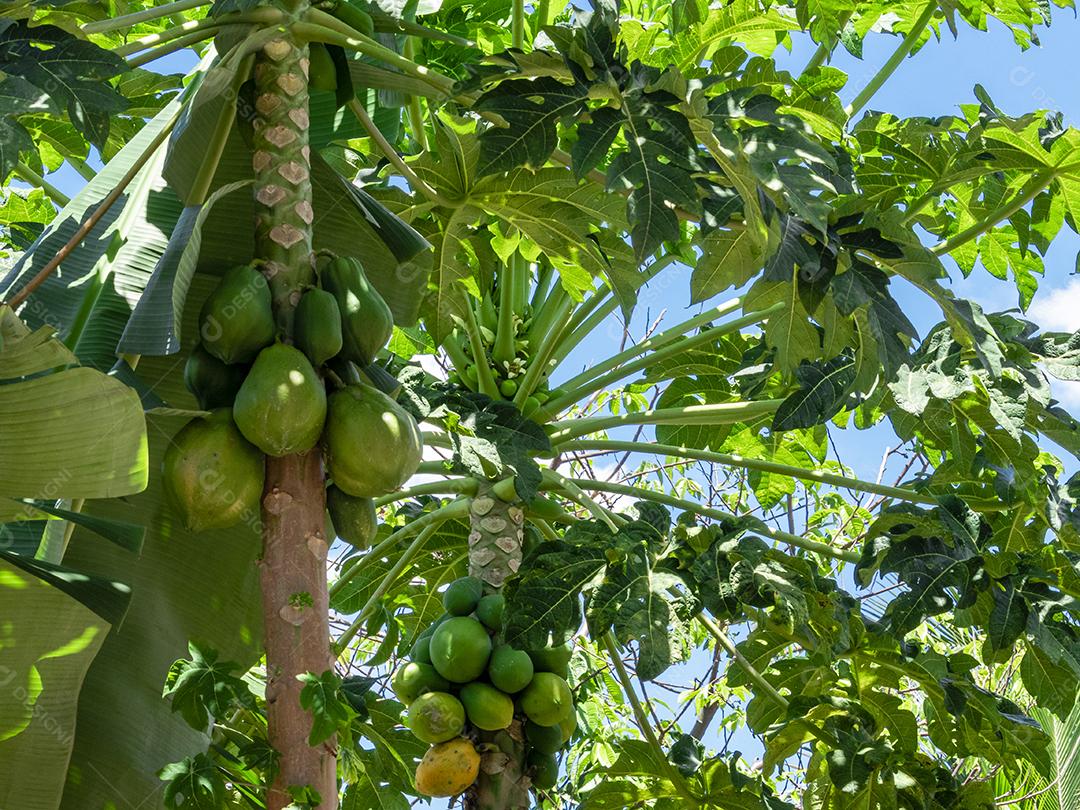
(380, 537)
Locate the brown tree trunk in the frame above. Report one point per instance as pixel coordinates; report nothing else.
(293, 566)
(495, 556)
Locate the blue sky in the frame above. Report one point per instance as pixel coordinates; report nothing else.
(934, 82)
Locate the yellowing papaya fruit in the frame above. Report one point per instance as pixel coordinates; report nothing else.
(448, 769)
(354, 519)
(317, 325)
(236, 321)
(213, 475)
(213, 383)
(372, 444)
(366, 320)
(436, 717)
(281, 407)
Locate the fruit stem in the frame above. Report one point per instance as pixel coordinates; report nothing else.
(540, 364)
(722, 413)
(125, 21)
(455, 509)
(403, 561)
(641, 718)
(505, 350)
(796, 540)
(666, 346)
(483, 368)
(28, 175)
(761, 465)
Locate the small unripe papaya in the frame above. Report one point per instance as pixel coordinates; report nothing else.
(213, 383)
(354, 17)
(237, 321)
(317, 326)
(354, 519)
(322, 73)
(366, 320)
(281, 407)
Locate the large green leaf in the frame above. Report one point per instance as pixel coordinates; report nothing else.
(76, 433)
(47, 641)
(185, 586)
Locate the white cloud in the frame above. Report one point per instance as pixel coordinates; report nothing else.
(1058, 310)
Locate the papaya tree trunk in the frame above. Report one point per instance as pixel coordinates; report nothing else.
(293, 566)
(495, 536)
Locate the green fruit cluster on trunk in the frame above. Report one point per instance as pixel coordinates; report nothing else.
(521, 715)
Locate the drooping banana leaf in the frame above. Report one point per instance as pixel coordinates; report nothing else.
(184, 586)
(48, 638)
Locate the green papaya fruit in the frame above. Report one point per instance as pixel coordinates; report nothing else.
(237, 321)
(213, 475)
(281, 407)
(317, 326)
(322, 72)
(372, 444)
(366, 320)
(354, 519)
(213, 383)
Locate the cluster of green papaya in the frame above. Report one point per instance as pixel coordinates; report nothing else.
(461, 681)
(269, 398)
(508, 373)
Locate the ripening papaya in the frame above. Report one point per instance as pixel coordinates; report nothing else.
(436, 717)
(281, 407)
(372, 444)
(366, 320)
(322, 72)
(317, 325)
(354, 519)
(213, 383)
(213, 475)
(237, 321)
(448, 769)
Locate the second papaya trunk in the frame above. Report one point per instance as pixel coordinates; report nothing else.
(293, 565)
(495, 538)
